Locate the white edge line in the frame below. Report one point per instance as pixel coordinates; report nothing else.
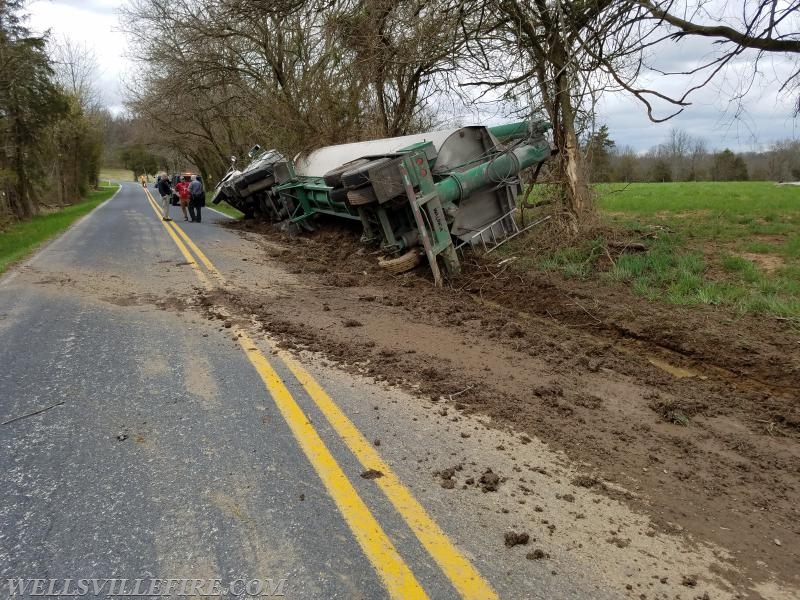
(220, 213)
(11, 274)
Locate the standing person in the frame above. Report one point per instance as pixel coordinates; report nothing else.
(182, 189)
(165, 190)
(197, 198)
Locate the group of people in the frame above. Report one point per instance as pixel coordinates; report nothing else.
(191, 196)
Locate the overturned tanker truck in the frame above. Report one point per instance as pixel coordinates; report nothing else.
(419, 196)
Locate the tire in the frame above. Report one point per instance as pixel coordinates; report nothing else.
(265, 208)
(359, 177)
(333, 178)
(338, 194)
(361, 196)
(404, 262)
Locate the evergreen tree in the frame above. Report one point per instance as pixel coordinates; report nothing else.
(30, 101)
(727, 166)
(598, 155)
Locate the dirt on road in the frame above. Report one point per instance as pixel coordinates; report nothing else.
(691, 415)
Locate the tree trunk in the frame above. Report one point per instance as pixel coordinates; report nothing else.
(579, 197)
(570, 168)
(24, 207)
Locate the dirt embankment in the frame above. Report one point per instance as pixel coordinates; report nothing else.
(696, 411)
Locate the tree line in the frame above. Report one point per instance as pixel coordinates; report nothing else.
(299, 74)
(683, 157)
(51, 123)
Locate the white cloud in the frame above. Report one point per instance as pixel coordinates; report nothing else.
(764, 115)
(91, 22)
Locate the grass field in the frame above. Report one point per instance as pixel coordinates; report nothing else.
(23, 238)
(729, 244)
(112, 175)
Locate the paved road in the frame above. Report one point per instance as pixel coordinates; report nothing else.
(181, 453)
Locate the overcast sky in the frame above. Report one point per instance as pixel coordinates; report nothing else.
(764, 117)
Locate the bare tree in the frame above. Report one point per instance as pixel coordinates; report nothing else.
(75, 67)
(751, 31)
(75, 145)
(294, 75)
(550, 55)
(401, 50)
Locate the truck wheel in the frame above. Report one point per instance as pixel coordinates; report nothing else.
(361, 196)
(333, 178)
(359, 176)
(338, 194)
(404, 262)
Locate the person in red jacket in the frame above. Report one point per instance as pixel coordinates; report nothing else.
(182, 189)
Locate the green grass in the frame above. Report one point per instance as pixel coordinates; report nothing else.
(111, 175)
(735, 245)
(741, 198)
(224, 208)
(21, 239)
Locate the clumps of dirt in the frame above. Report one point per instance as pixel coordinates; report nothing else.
(677, 412)
(589, 401)
(352, 323)
(173, 303)
(339, 280)
(512, 538)
(372, 474)
(489, 481)
(537, 554)
(513, 331)
(447, 476)
(689, 581)
(618, 541)
(584, 481)
(431, 374)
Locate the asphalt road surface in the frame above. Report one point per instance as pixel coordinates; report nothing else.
(174, 447)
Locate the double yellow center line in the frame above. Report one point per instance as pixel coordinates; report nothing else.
(396, 575)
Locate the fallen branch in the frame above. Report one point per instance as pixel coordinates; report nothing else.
(608, 254)
(30, 414)
(466, 389)
(579, 305)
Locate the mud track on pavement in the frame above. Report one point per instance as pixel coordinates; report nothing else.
(695, 412)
